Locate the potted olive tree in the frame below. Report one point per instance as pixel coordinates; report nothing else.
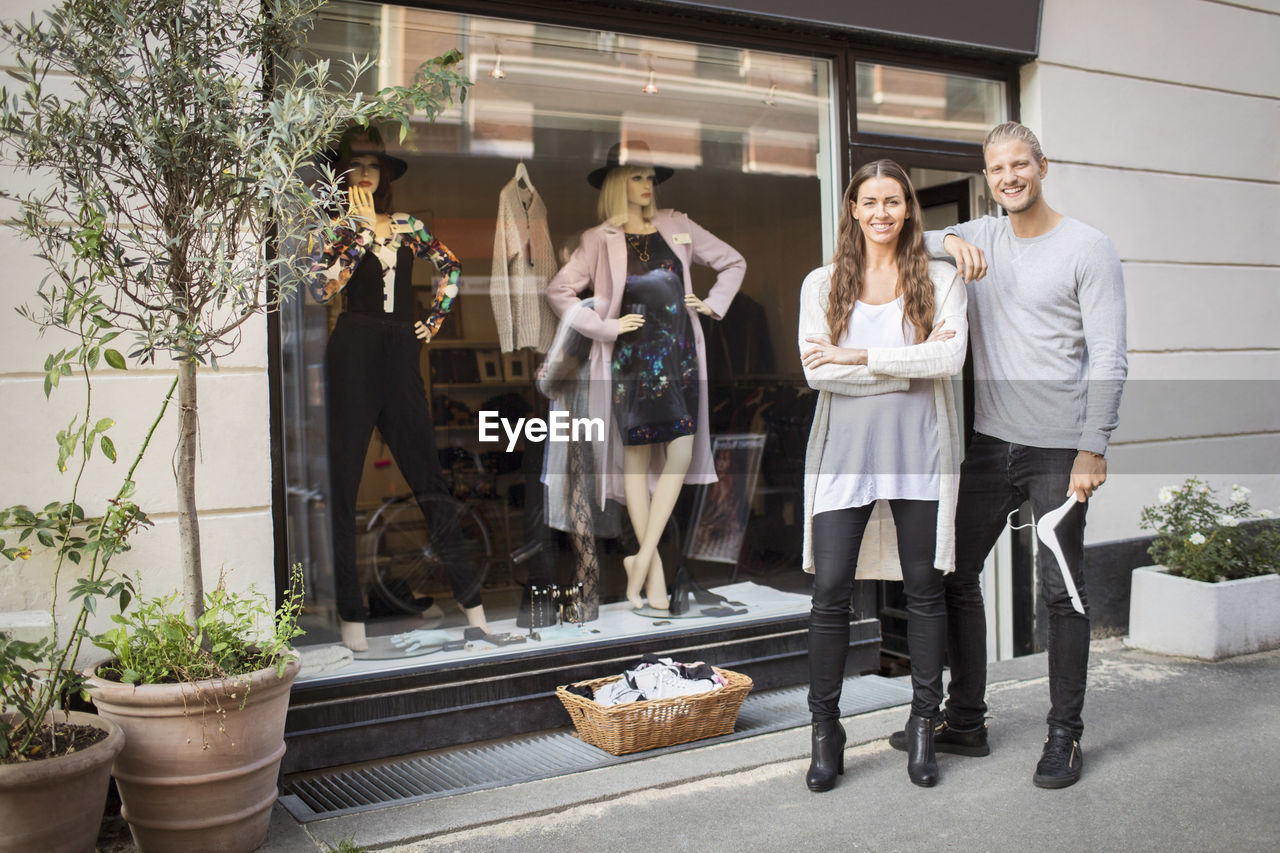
(1215, 591)
(179, 166)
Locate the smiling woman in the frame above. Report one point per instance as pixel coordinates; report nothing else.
(881, 331)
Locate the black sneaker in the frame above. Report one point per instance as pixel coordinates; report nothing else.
(945, 739)
(1062, 761)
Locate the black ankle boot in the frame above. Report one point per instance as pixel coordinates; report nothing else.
(828, 755)
(922, 762)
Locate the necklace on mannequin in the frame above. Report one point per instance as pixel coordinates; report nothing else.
(641, 249)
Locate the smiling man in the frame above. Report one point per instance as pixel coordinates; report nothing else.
(1047, 328)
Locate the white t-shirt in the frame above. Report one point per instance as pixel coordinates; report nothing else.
(884, 446)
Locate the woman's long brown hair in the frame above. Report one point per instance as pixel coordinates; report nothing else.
(851, 251)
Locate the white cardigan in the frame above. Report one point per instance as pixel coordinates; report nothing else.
(889, 369)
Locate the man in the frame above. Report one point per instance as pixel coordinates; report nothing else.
(1047, 327)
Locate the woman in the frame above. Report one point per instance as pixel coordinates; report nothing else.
(881, 330)
(372, 373)
(648, 362)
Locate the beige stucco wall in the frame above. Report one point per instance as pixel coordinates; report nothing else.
(234, 474)
(1161, 119)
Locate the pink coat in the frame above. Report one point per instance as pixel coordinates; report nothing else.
(600, 262)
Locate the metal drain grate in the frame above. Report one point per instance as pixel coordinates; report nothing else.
(528, 758)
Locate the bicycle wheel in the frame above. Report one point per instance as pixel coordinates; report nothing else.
(405, 558)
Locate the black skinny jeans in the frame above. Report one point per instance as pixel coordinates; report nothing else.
(995, 479)
(374, 380)
(837, 536)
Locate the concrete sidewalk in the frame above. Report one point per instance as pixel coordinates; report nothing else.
(1180, 755)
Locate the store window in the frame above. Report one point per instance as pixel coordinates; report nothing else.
(529, 533)
(900, 101)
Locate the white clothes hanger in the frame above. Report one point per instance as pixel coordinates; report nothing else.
(1046, 532)
(522, 176)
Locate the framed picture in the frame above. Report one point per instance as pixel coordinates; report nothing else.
(722, 509)
(489, 363)
(515, 366)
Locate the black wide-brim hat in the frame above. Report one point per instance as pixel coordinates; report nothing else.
(357, 142)
(638, 154)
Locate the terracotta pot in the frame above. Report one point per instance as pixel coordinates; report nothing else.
(194, 778)
(55, 805)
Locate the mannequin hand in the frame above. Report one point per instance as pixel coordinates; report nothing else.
(940, 334)
(969, 258)
(422, 333)
(1087, 474)
(827, 353)
(629, 323)
(362, 207)
(698, 305)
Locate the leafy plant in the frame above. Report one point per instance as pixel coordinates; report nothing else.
(237, 634)
(174, 177)
(1199, 537)
(37, 677)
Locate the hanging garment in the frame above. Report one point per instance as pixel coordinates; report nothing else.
(524, 262)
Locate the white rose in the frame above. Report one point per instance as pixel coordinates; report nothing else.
(1228, 520)
(1239, 494)
(1166, 495)
(1196, 539)
(1266, 513)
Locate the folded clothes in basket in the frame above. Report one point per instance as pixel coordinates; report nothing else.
(658, 678)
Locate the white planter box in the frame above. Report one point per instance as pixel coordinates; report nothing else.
(1176, 616)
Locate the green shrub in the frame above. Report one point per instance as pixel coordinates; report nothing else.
(1200, 538)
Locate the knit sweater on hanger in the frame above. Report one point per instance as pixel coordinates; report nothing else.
(523, 263)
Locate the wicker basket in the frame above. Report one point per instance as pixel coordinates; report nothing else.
(653, 723)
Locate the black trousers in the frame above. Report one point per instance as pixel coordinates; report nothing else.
(837, 536)
(995, 479)
(373, 380)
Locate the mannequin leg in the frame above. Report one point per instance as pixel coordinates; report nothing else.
(649, 515)
(354, 393)
(405, 423)
(475, 617)
(353, 635)
(665, 495)
(635, 486)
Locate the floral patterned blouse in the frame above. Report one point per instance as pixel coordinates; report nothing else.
(345, 248)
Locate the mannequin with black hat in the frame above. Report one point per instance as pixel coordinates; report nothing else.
(372, 373)
(648, 359)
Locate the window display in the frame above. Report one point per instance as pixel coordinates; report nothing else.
(524, 463)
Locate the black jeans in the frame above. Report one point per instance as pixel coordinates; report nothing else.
(995, 479)
(373, 379)
(837, 536)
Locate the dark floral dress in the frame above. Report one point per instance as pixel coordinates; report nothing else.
(655, 368)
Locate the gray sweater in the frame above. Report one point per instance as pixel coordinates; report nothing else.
(1047, 325)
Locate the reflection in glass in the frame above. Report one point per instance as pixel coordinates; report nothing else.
(912, 102)
(750, 136)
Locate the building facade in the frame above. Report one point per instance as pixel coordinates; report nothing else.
(1161, 124)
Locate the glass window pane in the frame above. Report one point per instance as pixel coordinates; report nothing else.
(912, 102)
(749, 135)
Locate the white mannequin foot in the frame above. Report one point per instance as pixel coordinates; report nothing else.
(475, 617)
(655, 586)
(635, 580)
(353, 636)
